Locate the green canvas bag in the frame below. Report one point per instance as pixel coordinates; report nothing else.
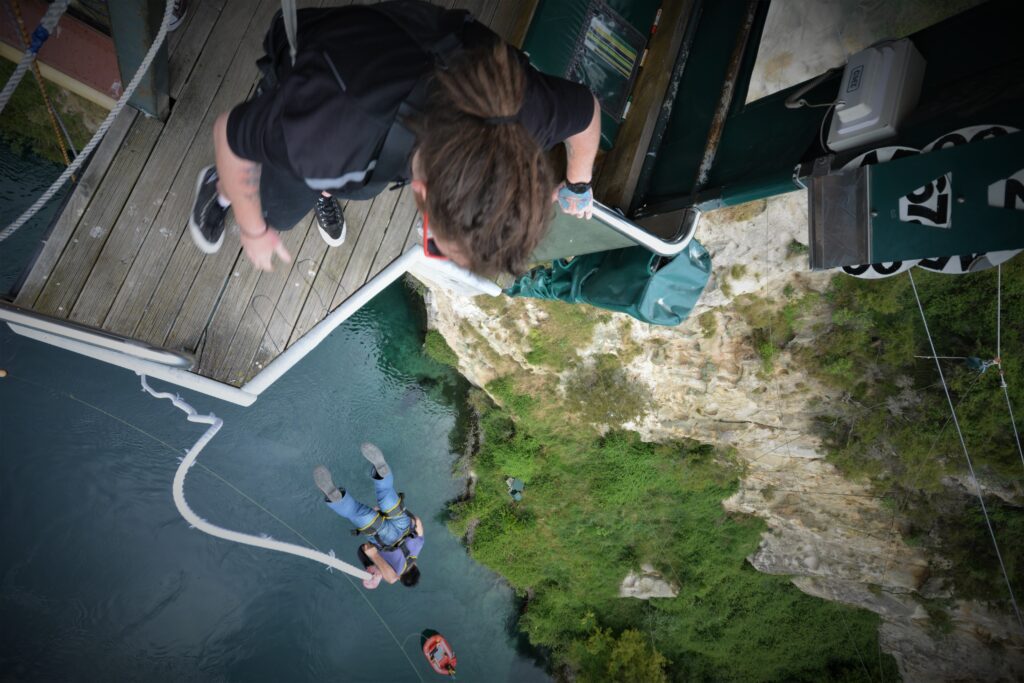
(651, 288)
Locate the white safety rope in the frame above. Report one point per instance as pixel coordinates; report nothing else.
(100, 132)
(178, 489)
(967, 455)
(39, 36)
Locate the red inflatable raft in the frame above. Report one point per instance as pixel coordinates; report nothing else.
(440, 655)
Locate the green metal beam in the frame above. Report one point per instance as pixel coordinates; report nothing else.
(134, 24)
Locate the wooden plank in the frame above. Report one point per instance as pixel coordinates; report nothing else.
(186, 268)
(372, 235)
(177, 314)
(328, 278)
(236, 321)
(202, 290)
(133, 265)
(218, 336)
(87, 240)
(263, 308)
(63, 236)
(188, 42)
(282, 318)
(616, 182)
(85, 190)
(512, 19)
(393, 244)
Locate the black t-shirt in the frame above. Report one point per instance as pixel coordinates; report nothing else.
(315, 125)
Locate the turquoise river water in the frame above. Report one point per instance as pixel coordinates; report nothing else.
(101, 579)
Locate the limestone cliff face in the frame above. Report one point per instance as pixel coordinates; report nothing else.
(832, 535)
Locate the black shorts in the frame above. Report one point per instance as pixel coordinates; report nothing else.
(286, 200)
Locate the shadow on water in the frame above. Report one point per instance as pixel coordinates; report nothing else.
(23, 178)
(540, 656)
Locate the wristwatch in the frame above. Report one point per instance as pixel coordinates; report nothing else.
(577, 188)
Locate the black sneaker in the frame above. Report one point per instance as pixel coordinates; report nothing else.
(331, 220)
(206, 222)
(178, 12)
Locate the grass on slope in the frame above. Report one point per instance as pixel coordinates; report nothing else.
(597, 507)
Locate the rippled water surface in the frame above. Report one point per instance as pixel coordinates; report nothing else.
(100, 579)
(23, 178)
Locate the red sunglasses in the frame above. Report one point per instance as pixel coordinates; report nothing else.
(430, 248)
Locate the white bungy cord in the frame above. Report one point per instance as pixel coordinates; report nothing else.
(199, 523)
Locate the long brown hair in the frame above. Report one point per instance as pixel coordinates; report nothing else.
(489, 183)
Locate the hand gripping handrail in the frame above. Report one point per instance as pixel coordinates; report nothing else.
(670, 246)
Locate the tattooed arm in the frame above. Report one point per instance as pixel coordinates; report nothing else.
(240, 184)
(239, 181)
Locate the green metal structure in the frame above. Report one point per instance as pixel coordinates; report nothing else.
(133, 26)
(711, 149)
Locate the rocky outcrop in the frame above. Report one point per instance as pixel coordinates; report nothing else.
(646, 584)
(832, 535)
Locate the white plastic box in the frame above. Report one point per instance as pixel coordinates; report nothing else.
(881, 85)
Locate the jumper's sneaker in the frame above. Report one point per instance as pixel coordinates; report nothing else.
(206, 222)
(376, 458)
(324, 482)
(178, 12)
(331, 220)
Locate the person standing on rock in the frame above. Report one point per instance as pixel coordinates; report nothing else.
(396, 535)
(400, 92)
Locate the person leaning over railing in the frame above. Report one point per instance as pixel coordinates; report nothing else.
(394, 93)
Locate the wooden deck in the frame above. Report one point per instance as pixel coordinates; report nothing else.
(120, 258)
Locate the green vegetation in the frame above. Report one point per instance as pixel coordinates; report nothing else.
(597, 507)
(892, 425)
(795, 248)
(629, 659)
(898, 429)
(629, 348)
(773, 326)
(25, 123)
(602, 393)
(708, 324)
(553, 342)
(435, 346)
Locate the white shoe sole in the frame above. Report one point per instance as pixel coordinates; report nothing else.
(201, 242)
(331, 242)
